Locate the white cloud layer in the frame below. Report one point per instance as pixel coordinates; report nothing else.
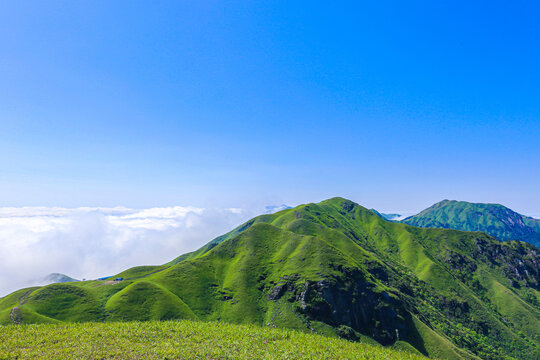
(92, 242)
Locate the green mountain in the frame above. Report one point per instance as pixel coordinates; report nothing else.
(333, 268)
(494, 219)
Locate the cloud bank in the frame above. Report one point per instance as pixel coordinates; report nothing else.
(92, 242)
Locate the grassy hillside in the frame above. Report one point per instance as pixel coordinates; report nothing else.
(332, 268)
(494, 219)
(179, 339)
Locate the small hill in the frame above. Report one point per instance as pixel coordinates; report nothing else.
(493, 219)
(333, 268)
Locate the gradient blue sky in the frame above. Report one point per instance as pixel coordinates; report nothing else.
(395, 105)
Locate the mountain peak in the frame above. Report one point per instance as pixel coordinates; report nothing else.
(494, 219)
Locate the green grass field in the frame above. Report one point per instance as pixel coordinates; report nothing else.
(178, 340)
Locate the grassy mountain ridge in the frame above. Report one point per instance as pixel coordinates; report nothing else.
(494, 219)
(333, 268)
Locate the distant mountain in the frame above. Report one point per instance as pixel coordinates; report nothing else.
(275, 208)
(390, 217)
(332, 268)
(56, 278)
(493, 219)
(52, 278)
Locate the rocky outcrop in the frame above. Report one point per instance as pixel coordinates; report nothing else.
(355, 305)
(520, 261)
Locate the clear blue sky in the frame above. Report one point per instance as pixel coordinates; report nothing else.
(395, 105)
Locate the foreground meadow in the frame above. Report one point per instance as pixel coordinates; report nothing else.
(177, 340)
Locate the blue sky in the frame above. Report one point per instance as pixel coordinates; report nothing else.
(243, 103)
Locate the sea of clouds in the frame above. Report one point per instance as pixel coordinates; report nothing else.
(87, 243)
(93, 242)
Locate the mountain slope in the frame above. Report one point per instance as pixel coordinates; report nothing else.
(333, 268)
(494, 219)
